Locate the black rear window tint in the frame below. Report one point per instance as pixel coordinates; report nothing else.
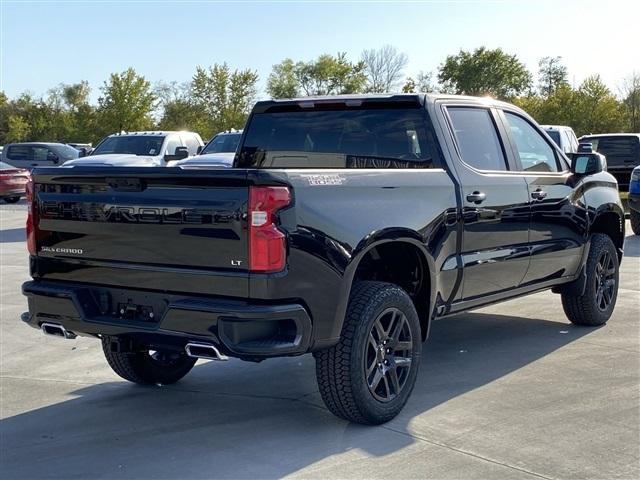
(353, 138)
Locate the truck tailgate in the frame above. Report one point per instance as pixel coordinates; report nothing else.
(153, 228)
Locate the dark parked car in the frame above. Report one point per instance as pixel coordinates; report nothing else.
(344, 228)
(622, 151)
(13, 182)
(37, 154)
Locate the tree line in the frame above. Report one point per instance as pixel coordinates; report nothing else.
(218, 98)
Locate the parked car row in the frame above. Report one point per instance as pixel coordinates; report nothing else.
(131, 149)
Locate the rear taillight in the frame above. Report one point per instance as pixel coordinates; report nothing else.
(267, 247)
(32, 219)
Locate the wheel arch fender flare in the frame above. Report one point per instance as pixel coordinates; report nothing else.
(599, 213)
(366, 245)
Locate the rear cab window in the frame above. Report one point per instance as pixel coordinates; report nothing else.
(340, 137)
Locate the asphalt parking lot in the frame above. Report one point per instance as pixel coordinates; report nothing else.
(510, 391)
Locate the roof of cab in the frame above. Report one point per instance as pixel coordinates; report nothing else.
(358, 99)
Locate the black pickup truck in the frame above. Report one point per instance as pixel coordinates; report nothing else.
(344, 228)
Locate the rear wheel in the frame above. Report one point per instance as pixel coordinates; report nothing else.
(12, 199)
(148, 367)
(635, 221)
(368, 376)
(595, 306)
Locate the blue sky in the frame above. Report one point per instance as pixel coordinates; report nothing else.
(45, 43)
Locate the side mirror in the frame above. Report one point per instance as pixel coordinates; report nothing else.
(200, 148)
(180, 154)
(52, 157)
(588, 163)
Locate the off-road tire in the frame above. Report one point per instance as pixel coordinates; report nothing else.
(11, 199)
(140, 367)
(634, 216)
(584, 309)
(341, 370)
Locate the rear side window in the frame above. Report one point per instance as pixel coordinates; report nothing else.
(477, 138)
(20, 152)
(351, 138)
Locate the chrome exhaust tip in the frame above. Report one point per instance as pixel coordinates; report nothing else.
(204, 350)
(56, 330)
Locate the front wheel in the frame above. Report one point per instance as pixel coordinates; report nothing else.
(368, 376)
(635, 221)
(148, 367)
(595, 306)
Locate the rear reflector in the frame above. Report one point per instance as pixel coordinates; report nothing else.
(267, 246)
(31, 218)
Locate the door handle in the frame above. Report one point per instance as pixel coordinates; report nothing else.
(476, 197)
(538, 194)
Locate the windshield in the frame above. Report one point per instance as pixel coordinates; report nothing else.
(353, 138)
(555, 136)
(223, 142)
(133, 145)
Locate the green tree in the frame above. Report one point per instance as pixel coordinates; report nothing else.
(631, 98)
(282, 81)
(126, 103)
(597, 109)
(221, 98)
(551, 75)
(485, 72)
(17, 129)
(326, 75)
(329, 75)
(76, 95)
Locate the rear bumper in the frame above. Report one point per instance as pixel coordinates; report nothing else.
(237, 328)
